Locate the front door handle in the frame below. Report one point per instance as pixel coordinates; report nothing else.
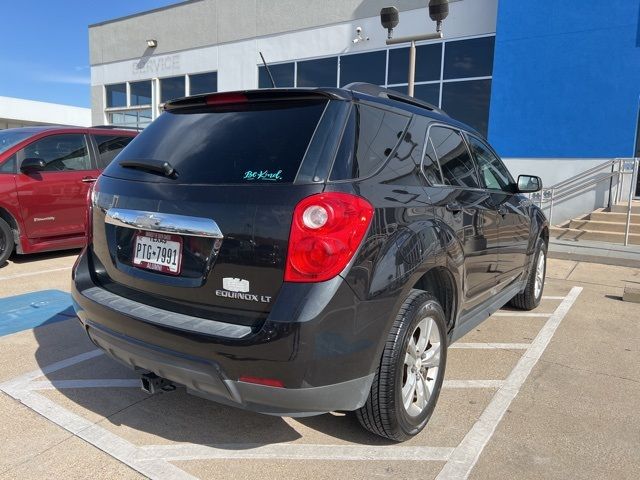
(502, 210)
(89, 179)
(454, 207)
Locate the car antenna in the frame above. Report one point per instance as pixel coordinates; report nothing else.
(268, 71)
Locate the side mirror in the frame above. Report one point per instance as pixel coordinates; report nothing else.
(32, 165)
(529, 184)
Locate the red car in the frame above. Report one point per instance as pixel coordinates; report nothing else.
(45, 174)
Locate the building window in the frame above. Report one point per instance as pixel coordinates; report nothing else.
(140, 93)
(283, 75)
(469, 58)
(468, 101)
(427, 92)
(203, 83)
(130, 118)
(454, 75)
(318, 73)
(172, 88)
(116, 95)
(363, 67)
(428, 61)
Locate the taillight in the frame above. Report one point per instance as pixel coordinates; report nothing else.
(226, 98)
(326, 231)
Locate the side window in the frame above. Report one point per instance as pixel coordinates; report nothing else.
(108, 147)
(430, 166)
(493, 173)
(456, 164)
(9, 165)
(404, 166)
(371, 134)
(61, 153)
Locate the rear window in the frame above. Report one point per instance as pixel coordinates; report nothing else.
(253, 143)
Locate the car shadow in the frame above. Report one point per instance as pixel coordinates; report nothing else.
(175, 416)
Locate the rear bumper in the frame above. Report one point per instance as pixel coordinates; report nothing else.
(325, 351)
(205, 378)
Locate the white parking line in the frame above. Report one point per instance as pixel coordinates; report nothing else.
(492, 346)
(472, 383)
(466, 454)
(292, 451)
(31, 274)
(552, 297)
(101, 383)
(521, 314)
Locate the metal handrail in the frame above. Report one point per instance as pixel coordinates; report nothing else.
(584, 186)
(547, 196)
(586, 173)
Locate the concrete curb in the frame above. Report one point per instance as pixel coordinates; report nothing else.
(595, 252)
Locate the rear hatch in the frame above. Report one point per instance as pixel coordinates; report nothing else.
(194, 215)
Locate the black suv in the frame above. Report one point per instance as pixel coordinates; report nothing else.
(300, 251)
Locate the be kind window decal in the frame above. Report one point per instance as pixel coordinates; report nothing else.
(263, 175)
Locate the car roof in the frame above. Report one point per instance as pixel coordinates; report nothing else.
(51, 128)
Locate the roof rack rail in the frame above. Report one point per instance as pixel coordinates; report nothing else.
(117, 127)
(376, 91)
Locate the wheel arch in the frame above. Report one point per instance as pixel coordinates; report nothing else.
(440, 283)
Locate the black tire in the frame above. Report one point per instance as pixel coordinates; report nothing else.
(527, 299)
(6, 242)
(384, 413)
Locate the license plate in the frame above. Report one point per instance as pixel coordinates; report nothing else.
(158, 251)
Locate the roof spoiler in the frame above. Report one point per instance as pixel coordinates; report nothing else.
(376, 91)
(253, 96)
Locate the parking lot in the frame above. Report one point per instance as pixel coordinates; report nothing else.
(545, 394)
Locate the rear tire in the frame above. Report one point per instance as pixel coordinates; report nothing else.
(407, 383)
(530, 297)
(6, 242)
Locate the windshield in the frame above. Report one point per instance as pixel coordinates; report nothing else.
(9, 138)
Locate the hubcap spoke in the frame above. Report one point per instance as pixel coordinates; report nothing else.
(422, 393)
(433, 356)
(424, 328)
(408, 390)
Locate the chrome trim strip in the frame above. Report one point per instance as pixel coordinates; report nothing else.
(163, 223)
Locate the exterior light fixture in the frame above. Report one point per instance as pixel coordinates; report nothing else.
(390, 18)
(152, 43)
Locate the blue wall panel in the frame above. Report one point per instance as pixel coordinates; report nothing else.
(566, 78)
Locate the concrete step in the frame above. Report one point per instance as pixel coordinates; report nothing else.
(601, 216)
(576, 235)
(599, 226)
(622, 208)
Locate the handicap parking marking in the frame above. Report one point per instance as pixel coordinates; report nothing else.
(30, 310)
(154, 461)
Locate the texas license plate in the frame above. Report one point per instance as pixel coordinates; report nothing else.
(158, 251)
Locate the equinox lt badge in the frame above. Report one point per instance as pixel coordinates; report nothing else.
(239, 288)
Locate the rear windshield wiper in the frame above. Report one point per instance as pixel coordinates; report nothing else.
(153, 166)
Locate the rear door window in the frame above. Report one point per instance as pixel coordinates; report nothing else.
(246, 143)
(369, 139)
(456, 164)
(109, 146)
(61, 153)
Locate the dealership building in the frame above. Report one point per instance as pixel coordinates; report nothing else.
(554, 85)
